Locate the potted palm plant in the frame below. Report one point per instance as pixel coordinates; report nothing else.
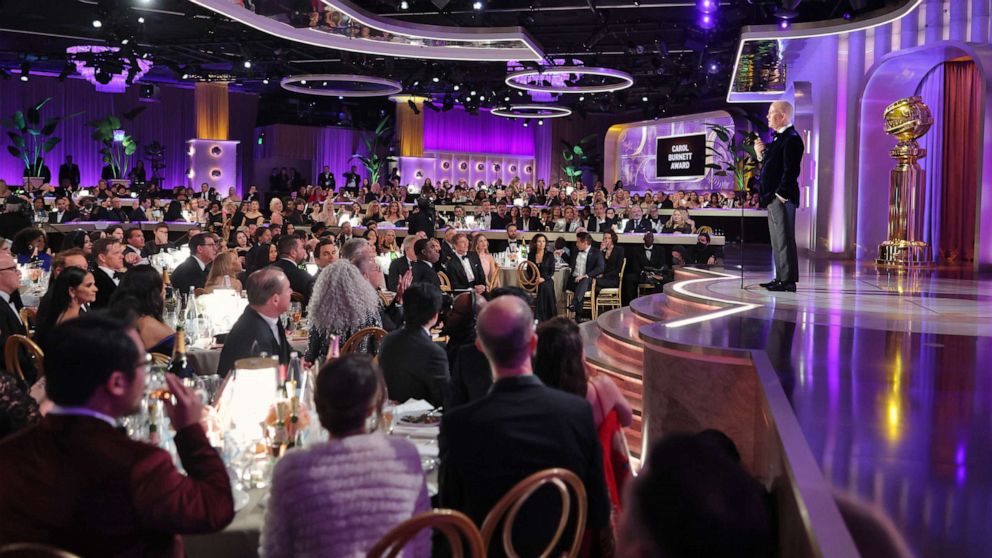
(117, 146)
(376, 145)
(579, 158)
(30, 140)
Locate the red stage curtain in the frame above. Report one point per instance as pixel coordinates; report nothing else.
(960, 169)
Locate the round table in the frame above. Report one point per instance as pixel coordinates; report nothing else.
(205, 361)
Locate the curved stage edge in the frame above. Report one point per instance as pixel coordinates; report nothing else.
(863, 381)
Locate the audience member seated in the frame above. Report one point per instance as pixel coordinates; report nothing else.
(261, 256)
(134, 247)
(415, 367)
(72, 257)
(544, 259)
(325, 252)
(480, 245)
(519, 428)
(360, 253)
(350, 502)
(78, 239)
(560, 363)
(679, 223)
(692, 499)
(702, 253)
(79, 483)
(141, 293)
(29, 248)
(69, 295)
(587, 264)
(403, 264)
(459, 326)
(225, 273)
(343, 302)
(161, 241)
(109, 268)
(193, 272)
(114, 213)
(63, 212)
(613, 258)
(259, 329)
(464, 269)
(292, 253)
(428, 254)
(644, 266)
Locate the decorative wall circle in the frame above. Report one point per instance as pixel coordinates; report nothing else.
(216, 151)
(525, 79)
(445, 165)
(528, 170)
(419, 174)
(340, 85)
(533, 111)
(215, 173)
(480, 167)
(513, 168)
(463, 166)
(497, 167)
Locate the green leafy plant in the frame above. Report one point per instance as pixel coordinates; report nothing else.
(376, 148)
(118, 153)
(580, 157)
(732, 155)
(29, 139)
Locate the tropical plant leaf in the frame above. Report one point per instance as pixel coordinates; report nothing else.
(130, 148)
(34, 116)
(17, 139)
(722, 134)
(34, 131)
(133, 113)
(41, 104)
(720, 173)
(114, 123)
(14, 151)
(712, 166)
(588, 139)
(19, 121)
(578, 150)
(106, 159)
(50, 125)
(50, 144)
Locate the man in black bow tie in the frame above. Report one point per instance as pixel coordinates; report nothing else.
(109, 255)
(779, 193)
(465, 268)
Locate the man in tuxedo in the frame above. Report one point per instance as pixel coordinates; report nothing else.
(291, 255)
(400, 266)
(69, 174)
(428, 254)
(519, 428)
(63, 212)
(325, 253)
(259, 329)
(447, 245)
(501, 219)
(109, 256)
(484, 217)
(77, 482)
(643, 259)
(193, 272)
(513, 242)
(528, 221)
(415, 367)
(326, 179)
(115, 212)
(10, 299)
(587, 264)
(134, 247)
(599, 222)
(206, 193)
(637, 223)
(143, 212)
(465, 268)
(779, 193)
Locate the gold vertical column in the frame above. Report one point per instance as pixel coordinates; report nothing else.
(409, 127)
(212, 118)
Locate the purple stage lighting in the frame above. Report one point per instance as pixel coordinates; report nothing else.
(707, 6)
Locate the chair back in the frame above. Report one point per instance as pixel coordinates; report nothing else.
(445, 282)
(29, 317)
(493, 281)
(34, 550)
(528, 275)
(454, 525)
(11, 352)
(355, 341)
(509, 506)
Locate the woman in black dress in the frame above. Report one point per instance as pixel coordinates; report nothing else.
(613, 254)
(544, 259)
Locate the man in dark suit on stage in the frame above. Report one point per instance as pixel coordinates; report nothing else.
(415, 367)
(519, 428)
(69, 174)
(193, 272)
(259, 329)
(291, 255)
(465, 268)
(63, 212)
(77, 482)
(399, 266)
(779, 193)
(428, 254)
(587, 264)
(109, 255)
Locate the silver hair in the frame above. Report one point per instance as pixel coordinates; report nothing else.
(352, 250)
(786, 108)
(342, 299)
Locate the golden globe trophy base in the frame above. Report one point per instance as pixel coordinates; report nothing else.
(904, 254)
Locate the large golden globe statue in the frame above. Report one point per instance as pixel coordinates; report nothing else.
(906, 119)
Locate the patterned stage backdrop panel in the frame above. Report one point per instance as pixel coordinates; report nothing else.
(171, 121)
(636, 153)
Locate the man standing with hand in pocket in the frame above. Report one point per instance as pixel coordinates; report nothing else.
(779, 193)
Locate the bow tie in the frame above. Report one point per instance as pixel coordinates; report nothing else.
(118, 275)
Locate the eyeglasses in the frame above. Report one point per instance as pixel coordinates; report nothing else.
(11, 268)
(146, 363)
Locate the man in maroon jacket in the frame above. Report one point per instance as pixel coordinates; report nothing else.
(77, 482)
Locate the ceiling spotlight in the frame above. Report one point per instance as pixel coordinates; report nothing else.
(141, 19)
(582, 98)
(24, 77)
(265, 81)
(482, 98)
(185, 76)
(247, 63)
(644, 99)
(324, 84)
(507, 99)
(435, 79)
(477, 5)
(303, 82)
(404, 5)
(526, 124)
(784, 24)
(125, 41)
(416, 83)
(473, 92)
(97, 23)
(540, 122)
(456, 87)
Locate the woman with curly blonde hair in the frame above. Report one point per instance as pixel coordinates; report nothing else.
(275, 207)
(342, 303)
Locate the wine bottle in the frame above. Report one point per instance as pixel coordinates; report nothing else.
(178, 364)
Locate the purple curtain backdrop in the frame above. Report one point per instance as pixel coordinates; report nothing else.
(932, 91)
(171, 121)
(459, 131)
(331, 147)
(543, 152)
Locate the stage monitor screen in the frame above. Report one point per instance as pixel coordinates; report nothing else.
(760, 68)
(682, 157)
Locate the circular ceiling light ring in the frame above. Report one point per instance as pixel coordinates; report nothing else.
(533, 111)
(623, 79)
(297, 84)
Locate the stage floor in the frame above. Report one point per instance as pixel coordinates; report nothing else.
(890, 377)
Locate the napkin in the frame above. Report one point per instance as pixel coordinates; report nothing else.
(412, 407)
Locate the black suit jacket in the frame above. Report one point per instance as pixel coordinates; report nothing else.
(593, 226)
(780, 168)
(499, 223)
(422, 221)
(521, 427)
(69, 215)
(638, 259)
(611, 272)
(641, 225)
(250, 337)
(11, 325)
(471, 377)
(456, 272)
(70, 173)
(414, 366)
(423, 272)
(447, 252)
(121, 215)
(397, 268)
(105, 288)
(188, 274)
(595, 264)
(300, 281)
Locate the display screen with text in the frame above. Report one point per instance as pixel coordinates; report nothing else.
(681, 157)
